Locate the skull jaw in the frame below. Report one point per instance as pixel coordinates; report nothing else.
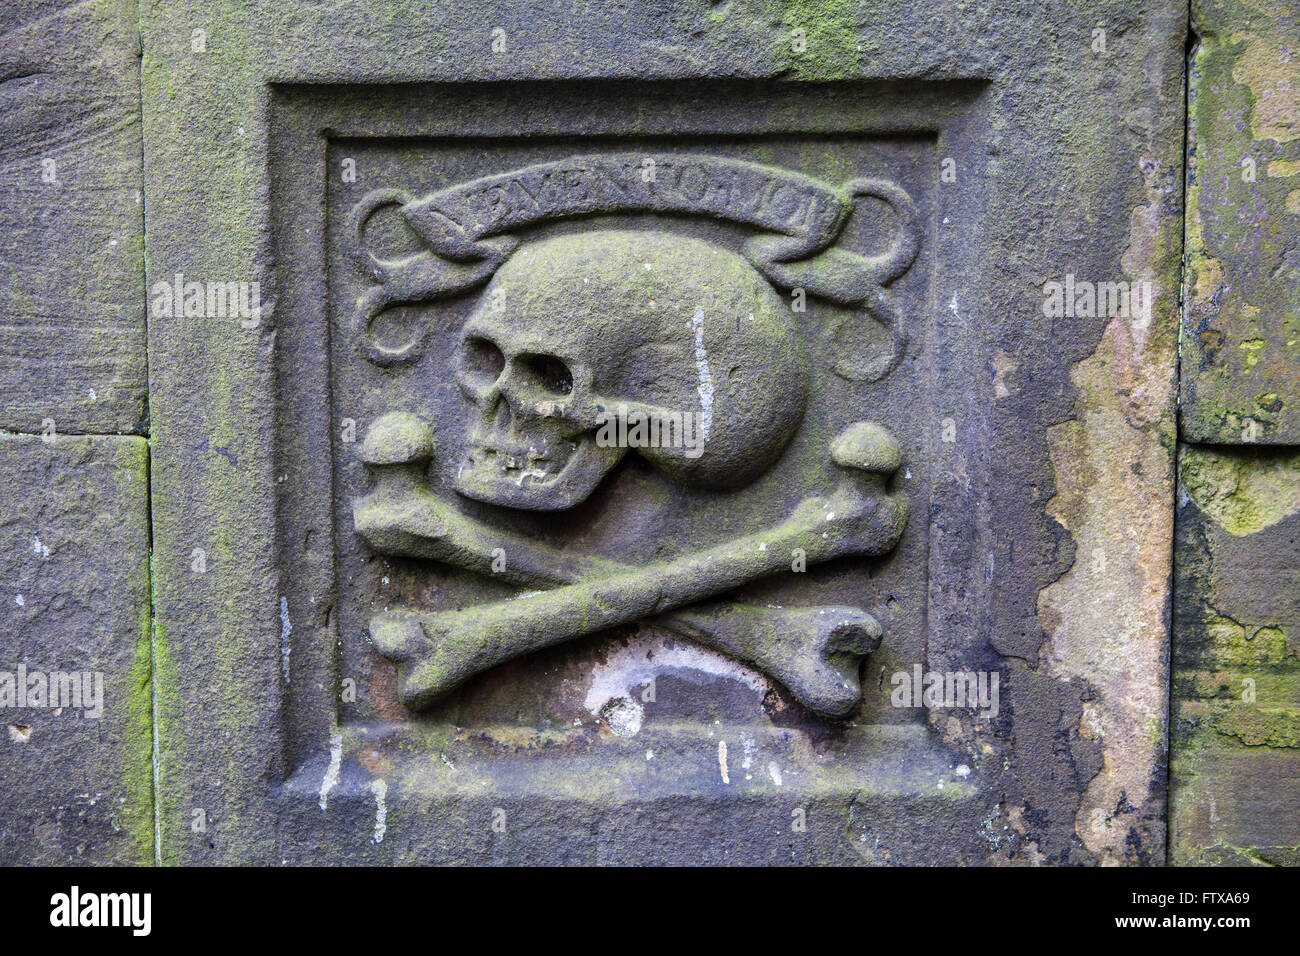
(490, 476)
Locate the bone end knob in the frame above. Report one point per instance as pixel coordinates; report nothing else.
(397, 438)
(866, 446)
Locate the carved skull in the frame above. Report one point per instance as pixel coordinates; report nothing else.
(577, 328)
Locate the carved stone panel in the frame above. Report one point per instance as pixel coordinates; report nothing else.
(633, 401)
(652, 445)
(627, 425)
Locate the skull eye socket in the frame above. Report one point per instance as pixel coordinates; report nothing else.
(482, 360)
(548, 372)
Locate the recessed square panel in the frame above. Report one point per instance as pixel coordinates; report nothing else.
(651, 355)
(622, 433)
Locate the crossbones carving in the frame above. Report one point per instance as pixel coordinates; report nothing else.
(578, 313)
(815, 652)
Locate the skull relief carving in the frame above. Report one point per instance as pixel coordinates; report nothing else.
(585, 329)
(608, 322)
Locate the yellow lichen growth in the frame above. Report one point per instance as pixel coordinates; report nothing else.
(1253, 349)
(1241, 492)
(1272, 72)
(1209, 277)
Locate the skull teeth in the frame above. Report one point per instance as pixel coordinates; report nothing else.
(516, 466)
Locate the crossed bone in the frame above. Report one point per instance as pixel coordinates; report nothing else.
(816, 651)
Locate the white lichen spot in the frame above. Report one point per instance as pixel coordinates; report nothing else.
(962, 771)
(380, 789)
(331, 779)
(626, 672)
(285, 628)
(774, 772)
(722, 761)
(748, 749)
(19, 600)
(624, 716)
(706, 377)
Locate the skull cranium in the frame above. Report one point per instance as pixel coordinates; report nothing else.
(576, 328)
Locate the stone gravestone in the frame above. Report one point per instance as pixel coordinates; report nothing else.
(675, 433)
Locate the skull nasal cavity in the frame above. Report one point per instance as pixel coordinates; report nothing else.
(483, 360)
(548, 372)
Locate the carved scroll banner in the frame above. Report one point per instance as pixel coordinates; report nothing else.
(466, 229)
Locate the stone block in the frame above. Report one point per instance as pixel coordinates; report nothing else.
(1235, 761)
(76, 773)
(339, 673)
(72, 304)
(1241, 323)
